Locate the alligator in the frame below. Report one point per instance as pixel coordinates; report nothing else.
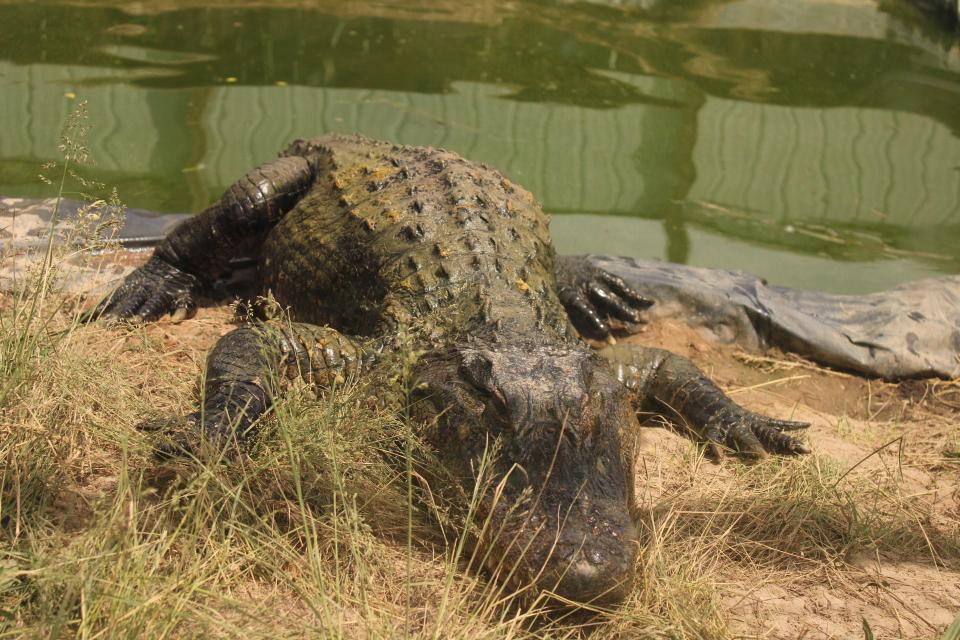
(377, 251)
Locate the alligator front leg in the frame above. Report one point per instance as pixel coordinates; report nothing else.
(199, 249)
(673, 387)
(593, 297)
(247, 370)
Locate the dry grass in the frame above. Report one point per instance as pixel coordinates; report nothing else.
(316, 533)
(308, 535)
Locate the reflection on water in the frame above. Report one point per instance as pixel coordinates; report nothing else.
(812, 142)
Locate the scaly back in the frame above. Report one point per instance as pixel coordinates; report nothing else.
(390, 233)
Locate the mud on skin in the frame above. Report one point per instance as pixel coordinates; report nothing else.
(359, 238)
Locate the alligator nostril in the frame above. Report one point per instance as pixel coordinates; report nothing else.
(589, 581)
(584, 572)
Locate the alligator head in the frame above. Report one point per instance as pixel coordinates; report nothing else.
(549, 421)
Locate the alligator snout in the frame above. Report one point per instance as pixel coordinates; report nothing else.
(583, 552)
(598, 580)
(600, 571)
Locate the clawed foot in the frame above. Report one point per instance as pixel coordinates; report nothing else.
(752, 436)
(192, 435)
(155, 289)
(594, 297)
(177, 436)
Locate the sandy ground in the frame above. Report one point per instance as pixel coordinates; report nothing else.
(851, 418)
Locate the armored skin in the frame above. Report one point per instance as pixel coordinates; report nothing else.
(377, 248)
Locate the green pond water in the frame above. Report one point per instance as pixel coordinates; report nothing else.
(814, 143)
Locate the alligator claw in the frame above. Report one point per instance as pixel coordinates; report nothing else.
(153, 290)
(187, 436)
(172, 435)
(753, 436)
(593, 297)
(583, 314)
